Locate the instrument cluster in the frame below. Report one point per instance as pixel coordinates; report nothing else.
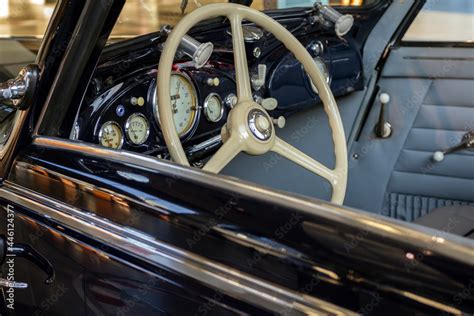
(126, 116)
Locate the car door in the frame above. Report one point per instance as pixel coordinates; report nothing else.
(129, 234)
(153, 238)
(428, 73)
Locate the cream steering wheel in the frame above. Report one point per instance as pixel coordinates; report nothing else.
(249, 128)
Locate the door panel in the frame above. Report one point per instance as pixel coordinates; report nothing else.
(431, 108)
(91, 280)
(67, 290)
(214, 235)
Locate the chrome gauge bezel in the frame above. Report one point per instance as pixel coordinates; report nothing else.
(328, 77)
(197, 116)
(206, 105)
(127, 126)
(101, 132)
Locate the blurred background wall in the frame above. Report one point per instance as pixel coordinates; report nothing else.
(29, 18)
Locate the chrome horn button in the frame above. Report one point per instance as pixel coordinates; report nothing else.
(260, 125)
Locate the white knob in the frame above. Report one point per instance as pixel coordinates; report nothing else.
(270, 104)
(280, 122)
(438, 156)
(384, 98)
(258, 80)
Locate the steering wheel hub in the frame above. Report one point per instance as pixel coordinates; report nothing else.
(260, 125)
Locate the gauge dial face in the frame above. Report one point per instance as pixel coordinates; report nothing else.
(183, 103)
(111, 135)
(213, 109)
(137, 129)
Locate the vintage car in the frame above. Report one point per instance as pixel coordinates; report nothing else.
(310, 160)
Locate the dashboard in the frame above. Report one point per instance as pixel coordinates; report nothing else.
(120, 110)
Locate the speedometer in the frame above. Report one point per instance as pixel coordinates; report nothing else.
(183, 100)
(183, 103)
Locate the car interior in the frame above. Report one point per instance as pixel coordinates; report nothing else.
(404, 94)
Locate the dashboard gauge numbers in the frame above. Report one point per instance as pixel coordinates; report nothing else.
(213, 109)
(111, 135)
(137, 129)
(183, 103)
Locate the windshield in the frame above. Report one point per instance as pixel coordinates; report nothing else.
(20, 18)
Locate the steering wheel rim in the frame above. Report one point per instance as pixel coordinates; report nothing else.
(239, 133)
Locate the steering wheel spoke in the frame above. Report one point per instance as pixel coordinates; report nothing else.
(295, 155)
(249, 125)
(231, 148)
(244, 91)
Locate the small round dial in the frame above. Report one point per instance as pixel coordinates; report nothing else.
(183, 103)
(213, 109)
(137, 129)
(111, 135)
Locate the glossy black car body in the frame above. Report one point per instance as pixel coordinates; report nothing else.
(131, 235)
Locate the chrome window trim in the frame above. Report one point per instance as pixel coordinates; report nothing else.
(220, 277)
(451, 246)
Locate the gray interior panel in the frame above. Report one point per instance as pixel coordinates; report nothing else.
(372, 160)
(431, 108)
(429, 62)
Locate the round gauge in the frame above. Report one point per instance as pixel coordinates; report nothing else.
(213, 109)
(324, 69)
(137, 129)
(111, 135)
(183, 103)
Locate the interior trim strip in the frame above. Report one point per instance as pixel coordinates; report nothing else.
(220, 277)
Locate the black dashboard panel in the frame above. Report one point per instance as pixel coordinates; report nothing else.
(116, 105)
(127, 73)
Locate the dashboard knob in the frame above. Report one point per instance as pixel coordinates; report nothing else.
(270, 104)
(280, 122)
(231, 100)
(213, 82)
